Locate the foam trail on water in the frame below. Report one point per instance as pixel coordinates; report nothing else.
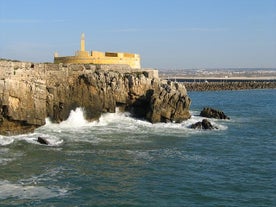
(11, 190)
(6, 140)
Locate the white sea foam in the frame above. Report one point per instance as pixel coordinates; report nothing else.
(123, 122)
(6, 140)
(75, 120)
(108, 125)
(12, 190)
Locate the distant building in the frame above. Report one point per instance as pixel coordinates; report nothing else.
(94, 57)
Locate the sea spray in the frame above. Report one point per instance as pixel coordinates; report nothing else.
(108, 125)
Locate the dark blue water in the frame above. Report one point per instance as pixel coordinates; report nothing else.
(120, 161)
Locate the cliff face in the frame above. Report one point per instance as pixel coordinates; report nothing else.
(31, 92)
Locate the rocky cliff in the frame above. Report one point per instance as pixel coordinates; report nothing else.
(31, 92)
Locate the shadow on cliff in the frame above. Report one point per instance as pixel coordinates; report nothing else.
(140, 107)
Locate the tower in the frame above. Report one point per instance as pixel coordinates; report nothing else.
(82, 48)
(82, 51)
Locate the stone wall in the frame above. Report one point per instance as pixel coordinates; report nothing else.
(83, 57)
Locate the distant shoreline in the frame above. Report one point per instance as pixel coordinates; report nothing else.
(220, 86)
(216, 80)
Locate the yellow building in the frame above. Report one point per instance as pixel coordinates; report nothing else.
(94, 57)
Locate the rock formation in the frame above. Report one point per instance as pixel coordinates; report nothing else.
(204, 124)
(213, 113)
(42, 140)
(31, 92)
(168, 102)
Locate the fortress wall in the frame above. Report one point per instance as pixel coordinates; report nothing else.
(97, 54)
(152, 73)
(129, 55)
(132, 62)
(38, 71)
(21, 70)
(111, 54)
(94, 57)
(82, 54)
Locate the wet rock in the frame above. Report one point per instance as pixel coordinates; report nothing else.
(213, 113)
(42, 140)
(204, 124)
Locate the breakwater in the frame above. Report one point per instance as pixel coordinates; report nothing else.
(223, 79)
(215, 84)
(233, 85)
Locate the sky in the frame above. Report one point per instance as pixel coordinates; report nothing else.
(168, 34)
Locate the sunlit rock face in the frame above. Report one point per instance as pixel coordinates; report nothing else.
(31, 92)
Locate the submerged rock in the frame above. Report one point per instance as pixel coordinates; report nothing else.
(213, 113)
(204, 124)
(42, 140)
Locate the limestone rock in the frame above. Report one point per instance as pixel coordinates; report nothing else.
(213, 113)
(31, 92)
(22, 105)
(169, 103)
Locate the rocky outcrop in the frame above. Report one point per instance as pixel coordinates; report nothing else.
(204, 124)
(31, 92)
(213, 113)
(168, 102)
(22, 101)
(42, 140)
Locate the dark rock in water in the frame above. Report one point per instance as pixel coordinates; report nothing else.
(197, 125)
(213, 113)
(204, 124)
(207, 125)
(42, 140)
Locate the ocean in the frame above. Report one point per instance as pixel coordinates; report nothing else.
(122, 161)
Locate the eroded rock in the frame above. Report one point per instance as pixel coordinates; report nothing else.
(42, 140)
(169, 103)
(31, 92)
(213, 113)
(204, 124)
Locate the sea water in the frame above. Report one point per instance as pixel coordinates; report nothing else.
(122, 161)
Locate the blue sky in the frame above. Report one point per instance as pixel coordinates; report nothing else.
(172, 34)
